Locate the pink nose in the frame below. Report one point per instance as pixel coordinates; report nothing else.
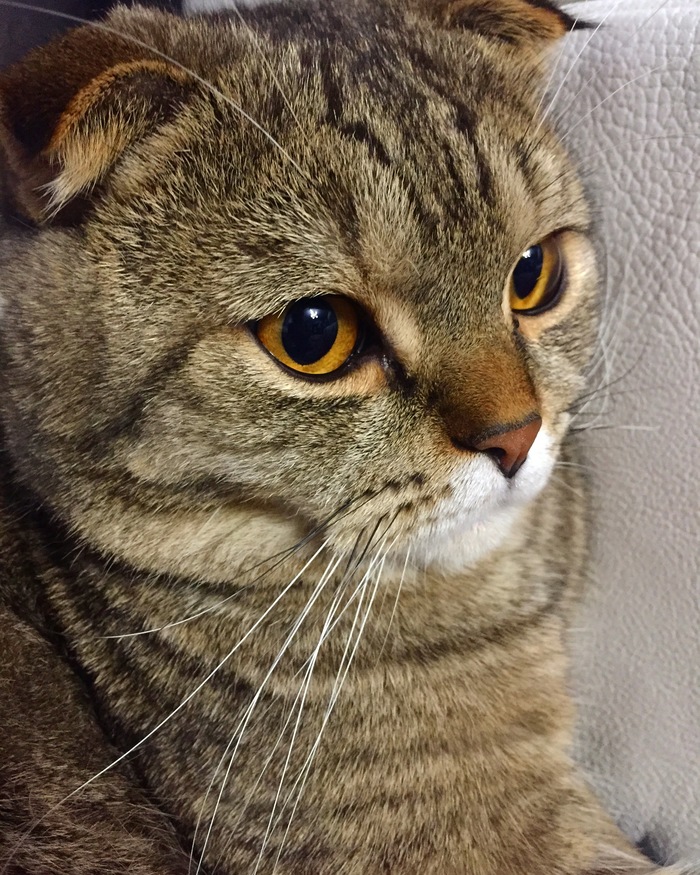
(508, 446)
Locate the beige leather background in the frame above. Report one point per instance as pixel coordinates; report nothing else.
(638, 661)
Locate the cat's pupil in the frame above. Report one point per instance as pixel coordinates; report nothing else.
(528, 271)
(309, 330)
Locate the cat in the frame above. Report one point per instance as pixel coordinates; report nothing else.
(296, 306)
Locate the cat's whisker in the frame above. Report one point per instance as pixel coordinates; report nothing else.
(552, 103)
(344, 668)
(305, 685)
(602, 392)
(608, 97)
(380, 609)
(324, 635)
(573, 489)
(613, 319)
(614, 427)
(584, 162)
(359, 559)
(340, 591)
(304, 772)
(583, 400)
(590, 79)
(263, 57)
(190, 696)
(373, 564)
(646, 21)
(360, 589)
(370, 567)
(552, 74)
(593, 396)
(273, 750)
(15, 4)
(396, 602)
(239, 732)
(338, 515)
(577, 465)
(186, 700)
(535, 142)
(618, 314)
(601, 358)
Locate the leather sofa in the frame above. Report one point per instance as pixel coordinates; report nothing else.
(632, 103)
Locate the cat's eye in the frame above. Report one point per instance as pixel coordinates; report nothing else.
(315, 336)
(538, 278)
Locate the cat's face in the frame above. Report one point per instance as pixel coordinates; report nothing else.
(159, 336)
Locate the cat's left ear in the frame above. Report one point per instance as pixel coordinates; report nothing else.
(525, 24)
(70, 110)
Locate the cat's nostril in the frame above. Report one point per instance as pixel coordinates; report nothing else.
(498, 455)
(508, 445)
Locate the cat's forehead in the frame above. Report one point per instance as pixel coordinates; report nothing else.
(375, 161)
(413, 199)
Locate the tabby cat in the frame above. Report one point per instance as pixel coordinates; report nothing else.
(295, 307)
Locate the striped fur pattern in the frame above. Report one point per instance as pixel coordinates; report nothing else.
(329, 639)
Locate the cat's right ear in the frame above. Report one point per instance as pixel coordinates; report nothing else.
(525, 25)
(70, 110)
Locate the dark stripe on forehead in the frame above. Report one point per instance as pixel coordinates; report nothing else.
(360, 133)
(335, 104)
(357, 131)
(441, 178)
(428, 219)
(528, 166)
(467, 123)
(455, 205)
(433, 75)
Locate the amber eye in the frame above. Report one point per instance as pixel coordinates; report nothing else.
(538, 279)
(313, 335)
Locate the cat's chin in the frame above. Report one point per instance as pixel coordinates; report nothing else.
(457, 547)
(484, 511)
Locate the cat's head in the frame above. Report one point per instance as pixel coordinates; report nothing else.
(325, 263)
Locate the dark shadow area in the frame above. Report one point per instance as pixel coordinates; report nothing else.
(23, 29)
(651, 847)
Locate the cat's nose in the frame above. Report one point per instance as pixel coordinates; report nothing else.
(508, 445)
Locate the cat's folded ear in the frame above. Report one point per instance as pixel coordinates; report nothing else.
(525, 24)
(70, 110)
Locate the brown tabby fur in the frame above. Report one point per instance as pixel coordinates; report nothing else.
(159, 467)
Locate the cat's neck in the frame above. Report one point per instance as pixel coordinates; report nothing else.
(405, 660)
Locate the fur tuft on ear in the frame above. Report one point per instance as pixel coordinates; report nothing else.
(70, 109)
(526, 24)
